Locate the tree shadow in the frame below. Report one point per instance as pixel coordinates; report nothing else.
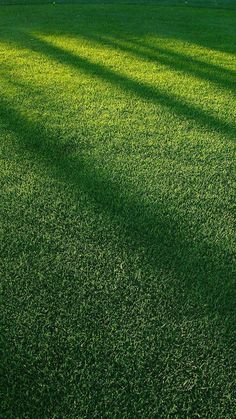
(146, 92)
(209, 28)
(166, 240)
(203, 274)
(222, 77)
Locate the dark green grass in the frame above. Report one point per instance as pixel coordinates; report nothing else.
(186, 3)
(117, 127)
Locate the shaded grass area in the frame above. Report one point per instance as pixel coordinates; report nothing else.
(186, 3)
(118, 199)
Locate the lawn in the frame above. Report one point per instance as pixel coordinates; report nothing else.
(118, 205)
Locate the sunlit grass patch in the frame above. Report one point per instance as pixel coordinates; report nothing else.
(117, 127)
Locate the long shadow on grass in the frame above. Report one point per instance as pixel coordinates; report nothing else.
(142, 223)
(166, 242)
(174, 60)
(178, 106)
(213, 29)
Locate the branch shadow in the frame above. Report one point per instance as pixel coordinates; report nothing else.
(203, 272)
(213, 29)
(148, 93)
(166, 240)
(176, 61)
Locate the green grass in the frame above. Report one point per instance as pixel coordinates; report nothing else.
(186, 3)
(117, 127)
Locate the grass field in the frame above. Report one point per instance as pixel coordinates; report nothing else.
(118, 206)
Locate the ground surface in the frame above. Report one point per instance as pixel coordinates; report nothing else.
(118, 201)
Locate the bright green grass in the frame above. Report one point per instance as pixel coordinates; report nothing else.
(118, 205)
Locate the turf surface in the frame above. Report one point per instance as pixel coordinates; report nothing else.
(118, 133)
